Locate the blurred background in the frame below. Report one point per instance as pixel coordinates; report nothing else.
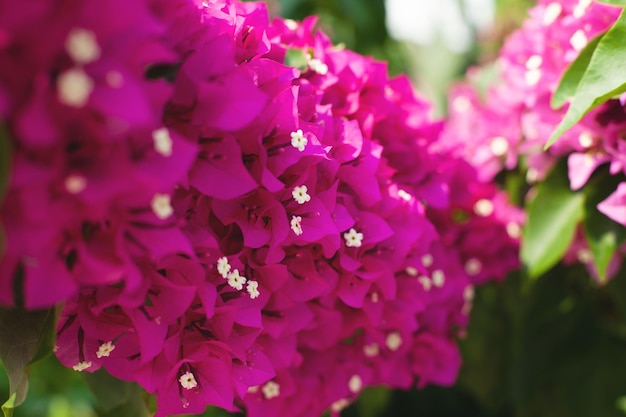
(554, 347)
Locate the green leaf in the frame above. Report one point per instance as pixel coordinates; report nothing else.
(601, 80)
(373, 401)
(296, 58)
(603, 235)
(570, 80)
(553, 216)
(613, 2)
(25, 337)
(116, 398)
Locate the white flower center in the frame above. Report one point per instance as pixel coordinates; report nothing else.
(161, 206)
(473, 267)
(551, 13)
(393, 341)
(296, 225)
(578, 40)
(105, 350)
(223, 267)
(81, 366)
(585, 139)
(82, 46)
(318, 66)
(468, 293)
(188, 380)
(461, 104)
(271, 390)
(300, 194)
(353, 238)
(427, 284)
(253, 289)
(355, 384)
(74, 184)
(162, 141)
(581, 8)
(584, 256)
(339, 405)
(532, 77)
(74, 87)
(439, 278)
(291, 24)
(298, 140)
(236, 281)
(483, 208)
(534, 62)
(513, 230)
(404, 195)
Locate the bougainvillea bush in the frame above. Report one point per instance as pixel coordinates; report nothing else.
(229, 211)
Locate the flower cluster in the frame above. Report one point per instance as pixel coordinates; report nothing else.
(514, 119)
(229, 229)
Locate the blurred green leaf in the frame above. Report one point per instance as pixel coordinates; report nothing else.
(601, 80)
(25, 337)
(603, 235)
(553, 216)
(296, 58)
(613, 2)
(116, 398)
(373, 401)
(571, 78)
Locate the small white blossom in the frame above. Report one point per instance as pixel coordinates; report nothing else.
(298, 140)
(532, 77)
(236, 281)
(461, 104)
(82, 46)
(483, 207)
(81, 366)
(355, 384)
(74, 87)
(161, 206)
(513, 230)
(300, 194)
(188, 380)
(411, 271)
(339, 405)
(296, 225)
(438, 278)
(271, 390)
(353, 238)
(578, 40)
(162, 141)
(551, 13)
(584, 256)
(74, 184)
(585, 140)
(253, 289)
(404, 195)
(393, 341)
(318, 66)
(427, 260)
(499, 146)
(534, 62)
(473, 267)
(581, 8)
(427, 284)
(372, 350)
(105, 350)
(223, 267)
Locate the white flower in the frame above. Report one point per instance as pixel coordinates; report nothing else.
(438, 278)
(473, 267)
(105, 350)
(499, 146)
(355, 384)
(74, 184)
(427, 260)
(74, 87)
(82, 46)
(353, 238)
(81, 366)
(426, 283)
(271, 390)
(296, 225)
(371, 350)
(318, 66)
(298, 140)
(393, 341)
(253, 289)
(161, 206)
(162, 141)
(578, 40)
(300, 194)
(551, 13)
(223, 267)
(483, 207)
(188, 380)
(235, 280)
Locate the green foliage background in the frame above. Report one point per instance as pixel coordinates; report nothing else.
(547, 342)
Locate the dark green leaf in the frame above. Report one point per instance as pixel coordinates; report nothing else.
(570, 80)
(553, 216)
(603, 235)
(602, 79)
(114, 397)
(25, 337)
(373, 401)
